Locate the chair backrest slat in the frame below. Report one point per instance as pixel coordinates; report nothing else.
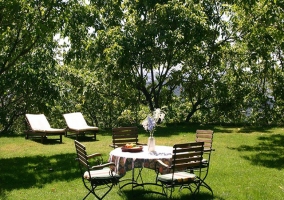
(125, 134)
(184, 166)
(125, 141)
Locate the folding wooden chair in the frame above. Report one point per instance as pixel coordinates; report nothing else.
(100, 177)
(124, 135)
(205, 136)
(185, 157)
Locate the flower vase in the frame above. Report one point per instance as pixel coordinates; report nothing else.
(151, 144)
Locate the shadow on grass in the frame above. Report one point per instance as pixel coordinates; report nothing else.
(52, 140)
(27, 172)
(251, 129)
(268, 153)
(176, 129)
(190, 128)
(84, 138)
(140, 194)
(240, 129)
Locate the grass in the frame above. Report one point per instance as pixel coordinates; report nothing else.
(247, 163)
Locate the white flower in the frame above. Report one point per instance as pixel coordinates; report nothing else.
(159, 115)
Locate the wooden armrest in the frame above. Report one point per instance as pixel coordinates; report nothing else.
(103, 165)
(160, 162)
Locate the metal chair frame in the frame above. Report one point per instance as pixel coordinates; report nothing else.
(92, 184)
(205, 136)
(186, 156)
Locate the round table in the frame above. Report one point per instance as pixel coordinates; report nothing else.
(126, 161)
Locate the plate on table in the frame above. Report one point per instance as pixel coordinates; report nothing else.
(131, 149)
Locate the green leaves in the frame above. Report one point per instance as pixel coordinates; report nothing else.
(27, 59)
(199, 58)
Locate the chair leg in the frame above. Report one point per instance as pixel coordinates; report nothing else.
(110, 188)
(88, 194)
(60, 138)
(165, 189)
(204, 184)
(94, 193)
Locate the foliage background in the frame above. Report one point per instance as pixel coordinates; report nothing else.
(115, 61)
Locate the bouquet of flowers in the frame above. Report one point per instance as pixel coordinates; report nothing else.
(151, 121)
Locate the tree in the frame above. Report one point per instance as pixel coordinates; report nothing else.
(258, 31)
(27, 56)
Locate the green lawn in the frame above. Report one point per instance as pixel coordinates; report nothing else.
(247, 164)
